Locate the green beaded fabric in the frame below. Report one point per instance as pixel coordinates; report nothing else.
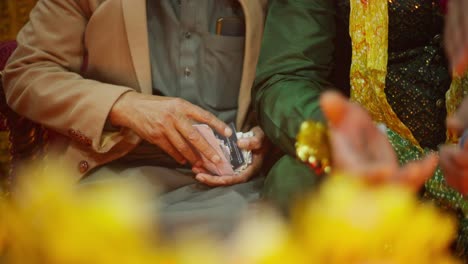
(436, 189)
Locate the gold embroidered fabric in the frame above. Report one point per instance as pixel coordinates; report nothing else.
(13, 15)
(369, 34)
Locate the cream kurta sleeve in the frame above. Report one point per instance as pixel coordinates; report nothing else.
(42, 79)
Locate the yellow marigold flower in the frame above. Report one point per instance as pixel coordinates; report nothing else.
(53, 220)
(347, 221)
(350, 222)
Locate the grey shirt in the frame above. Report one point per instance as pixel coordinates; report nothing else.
(188, 60)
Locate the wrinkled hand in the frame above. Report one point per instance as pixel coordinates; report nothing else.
(454, 164)
(167, 122)
(454, 159)
(256, 144)
(360, 148)
(456, 35)
(459, 121)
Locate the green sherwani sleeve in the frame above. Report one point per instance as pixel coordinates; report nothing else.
(294, 67)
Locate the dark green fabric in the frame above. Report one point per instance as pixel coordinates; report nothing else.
(294, 67)
(298, 62)
(287, 181)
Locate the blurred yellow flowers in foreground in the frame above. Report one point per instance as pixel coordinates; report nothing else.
(51, 220)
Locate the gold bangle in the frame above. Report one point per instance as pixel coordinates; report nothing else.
(312, 146)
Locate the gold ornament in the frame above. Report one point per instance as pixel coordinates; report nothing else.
(312, 146)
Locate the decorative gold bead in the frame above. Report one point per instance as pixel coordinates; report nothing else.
(312, 146)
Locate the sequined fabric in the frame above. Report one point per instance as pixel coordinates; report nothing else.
(368, 28)
(418, 75)
(407, 91)
(410, 93)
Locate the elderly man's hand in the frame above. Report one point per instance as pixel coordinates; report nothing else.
(456, 35)
(454, 164)
(360, 148)
(454, 159)
(257, 145)
(459, 121)
(167, 122)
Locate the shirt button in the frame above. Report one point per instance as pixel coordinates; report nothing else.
(83, 166)
(440, 103)
(187, 35)
(187, 72)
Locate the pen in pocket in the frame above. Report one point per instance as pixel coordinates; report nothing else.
(230, 26)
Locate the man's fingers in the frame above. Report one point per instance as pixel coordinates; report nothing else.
(357, 144)
(448, 37)
(205, 117)
(449, 168)
(253, 143)
(350, 157)
(348, 118)
(195, 139)
(464, 45)
(334, 106)
(461, 63)
(456, 176)
(165, 145)
(461, 158)
(415, 173)
(461, 31)
(183, 147)
(455, 22)
(226, 180)
(346, 155)
(199, 169)
(375, 173)
(459, 121)
(258, 133)
(213, 180)
(244, 143)
(455, 125)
